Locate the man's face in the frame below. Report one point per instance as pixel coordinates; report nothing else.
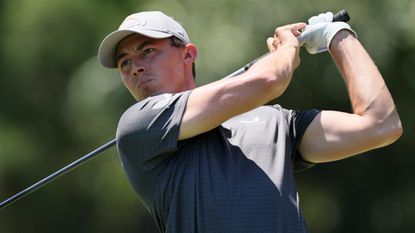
(151, 66)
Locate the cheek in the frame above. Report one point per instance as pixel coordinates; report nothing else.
(174, 69)
(127, 81)
(124, 79)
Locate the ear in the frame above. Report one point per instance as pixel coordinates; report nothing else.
(190, 53)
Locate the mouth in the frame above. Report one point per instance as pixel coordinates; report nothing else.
(144, 81)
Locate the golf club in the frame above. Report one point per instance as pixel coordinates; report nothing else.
(57, 174)
(340, 16)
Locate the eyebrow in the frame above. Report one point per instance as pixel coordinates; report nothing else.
(142, 45)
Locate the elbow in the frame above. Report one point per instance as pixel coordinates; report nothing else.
(275, 84)
(390, 130)
(396, 131)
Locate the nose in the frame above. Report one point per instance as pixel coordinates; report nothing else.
(138, 68)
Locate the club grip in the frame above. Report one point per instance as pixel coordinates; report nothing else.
(341, 16)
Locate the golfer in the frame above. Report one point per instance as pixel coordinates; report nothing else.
(215, 158)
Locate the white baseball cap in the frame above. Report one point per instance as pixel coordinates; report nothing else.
(153, 24)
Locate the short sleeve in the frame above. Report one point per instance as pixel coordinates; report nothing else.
(149, 130)
(298, 123)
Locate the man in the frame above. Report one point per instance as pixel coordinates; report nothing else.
(213, 158)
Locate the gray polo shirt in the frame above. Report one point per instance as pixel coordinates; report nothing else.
(235, 178)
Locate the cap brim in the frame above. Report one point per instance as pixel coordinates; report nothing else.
(106, 51)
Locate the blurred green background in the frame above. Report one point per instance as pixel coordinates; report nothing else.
(58, 103)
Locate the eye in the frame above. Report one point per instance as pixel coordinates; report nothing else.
(147, 51)
(124, 63)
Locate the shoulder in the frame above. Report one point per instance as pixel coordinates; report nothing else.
(146, 112)
(153, 105)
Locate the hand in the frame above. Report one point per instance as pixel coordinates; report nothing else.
(286, 36)
(321, 18)
(318, 35)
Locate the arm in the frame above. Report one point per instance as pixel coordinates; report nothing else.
(211, 105)
(374, 121)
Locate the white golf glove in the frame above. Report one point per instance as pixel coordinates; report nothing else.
(317, 35)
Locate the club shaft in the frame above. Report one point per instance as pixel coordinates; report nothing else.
(57, 174)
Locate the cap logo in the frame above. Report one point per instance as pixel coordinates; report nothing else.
(133, 22)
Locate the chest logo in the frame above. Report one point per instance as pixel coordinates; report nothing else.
(255, 121)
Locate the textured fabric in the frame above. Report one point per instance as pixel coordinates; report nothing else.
(235, 178)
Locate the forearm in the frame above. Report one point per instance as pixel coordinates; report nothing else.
(278, 66)
(210, 105)
(369, 95)
(374, 121)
